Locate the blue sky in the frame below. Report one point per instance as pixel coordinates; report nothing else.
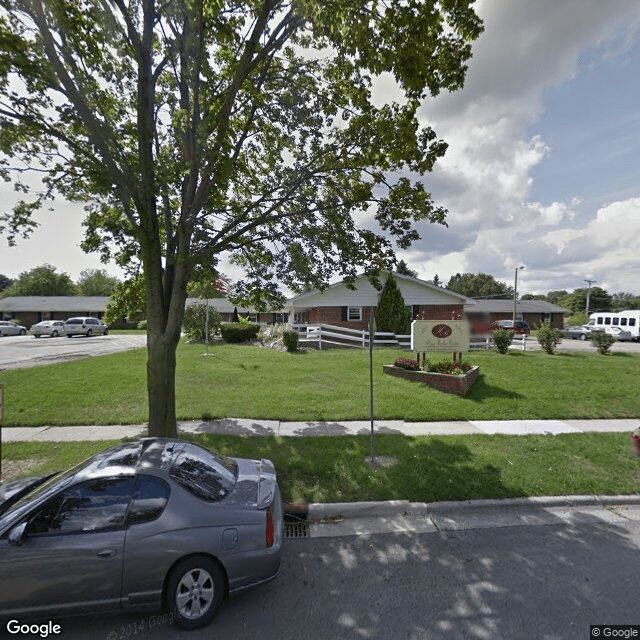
(543, 165)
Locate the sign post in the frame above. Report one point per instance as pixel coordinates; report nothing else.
(372, 333)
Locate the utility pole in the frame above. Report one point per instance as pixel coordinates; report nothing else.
(589, 282)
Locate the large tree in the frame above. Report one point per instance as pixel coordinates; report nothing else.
(479, 285)
(42, 281)
(96, 282)
(193, 129)
(599, 300)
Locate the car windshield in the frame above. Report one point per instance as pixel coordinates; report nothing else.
(54, 483)
(204, 474)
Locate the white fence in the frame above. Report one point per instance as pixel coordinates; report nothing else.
(331, 335)
(328, 334)
(520, 341)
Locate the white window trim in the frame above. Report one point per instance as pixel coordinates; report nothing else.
(349, 314)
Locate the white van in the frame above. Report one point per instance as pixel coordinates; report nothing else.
(627, 320)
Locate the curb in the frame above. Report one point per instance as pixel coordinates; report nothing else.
(390, 508)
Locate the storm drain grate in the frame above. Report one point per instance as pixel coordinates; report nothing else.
(296, 525)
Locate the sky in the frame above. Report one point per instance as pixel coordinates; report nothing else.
(542, 170)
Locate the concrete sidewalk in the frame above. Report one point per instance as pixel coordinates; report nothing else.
(249, 427)
(398, 516)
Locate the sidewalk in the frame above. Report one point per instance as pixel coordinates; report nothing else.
(397, 516)
(249, 427)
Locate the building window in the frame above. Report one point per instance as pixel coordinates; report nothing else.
(354, 314)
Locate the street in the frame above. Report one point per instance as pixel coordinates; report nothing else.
(546, 582)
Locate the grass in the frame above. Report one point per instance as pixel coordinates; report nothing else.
(332, 469)
(251, 382)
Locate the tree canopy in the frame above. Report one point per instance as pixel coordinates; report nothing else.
(96, 282)
(41, 281)
(251, 130)
(480, 285)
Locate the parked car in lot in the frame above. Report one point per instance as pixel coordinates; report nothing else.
(84, 327)
(579, 332)
(155, 523)
(8, 328)
(520, 326)
(53, 328)
(618, 333)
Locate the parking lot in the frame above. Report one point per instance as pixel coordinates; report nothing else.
(26, 351)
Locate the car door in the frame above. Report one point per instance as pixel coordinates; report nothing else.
(70, 556)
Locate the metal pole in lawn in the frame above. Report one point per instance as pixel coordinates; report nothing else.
(372, 331)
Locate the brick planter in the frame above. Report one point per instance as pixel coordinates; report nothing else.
(441, 381)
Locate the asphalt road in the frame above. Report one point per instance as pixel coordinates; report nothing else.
(28, 351)
(546, 582)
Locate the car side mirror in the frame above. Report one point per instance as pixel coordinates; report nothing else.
(18, 534)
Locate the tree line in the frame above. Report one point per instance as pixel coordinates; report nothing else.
(46, 281)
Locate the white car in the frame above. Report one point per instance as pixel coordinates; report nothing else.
(84, 327)
(10, 329)
(618, 333)
(53, 328)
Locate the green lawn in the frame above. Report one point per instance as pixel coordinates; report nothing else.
(333, 469)
(252, 382)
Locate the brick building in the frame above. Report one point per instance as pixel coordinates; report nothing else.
(340, 306)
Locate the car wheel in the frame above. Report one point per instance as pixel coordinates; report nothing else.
(23, 332)
(195, 590)
(89, 333)
(54, 334)
(105, 332)
(583, 336)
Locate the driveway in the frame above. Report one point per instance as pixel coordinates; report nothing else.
(18, 352)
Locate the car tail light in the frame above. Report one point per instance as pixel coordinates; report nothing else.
(270, 530)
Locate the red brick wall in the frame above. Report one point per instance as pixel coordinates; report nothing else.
(441, 312)
(333, 315)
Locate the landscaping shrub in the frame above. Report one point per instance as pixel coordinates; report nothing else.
(548, 337)
(407, 363)
(142, 325)
(451, 368)
(290, 339)
(392, 314)
(235, 332)
(502, 339)
(195, 322)
(602, 342)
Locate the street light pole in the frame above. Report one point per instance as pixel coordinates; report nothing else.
(515, 295)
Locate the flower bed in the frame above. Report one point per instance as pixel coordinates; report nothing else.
(441, 381)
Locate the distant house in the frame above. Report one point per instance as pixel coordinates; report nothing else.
(533, 312)
(340, 306)
(32, 309)
(226, 308)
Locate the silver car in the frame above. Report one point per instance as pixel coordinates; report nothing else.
(157, 523)
(84, 327)
(53, 328)
(579, 332)
(8, 328)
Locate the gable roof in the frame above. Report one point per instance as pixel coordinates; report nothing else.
(414, 291)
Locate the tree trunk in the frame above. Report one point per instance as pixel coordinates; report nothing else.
(161, 375)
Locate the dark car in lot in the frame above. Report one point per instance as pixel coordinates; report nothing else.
(156, 523)
(520, 326)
